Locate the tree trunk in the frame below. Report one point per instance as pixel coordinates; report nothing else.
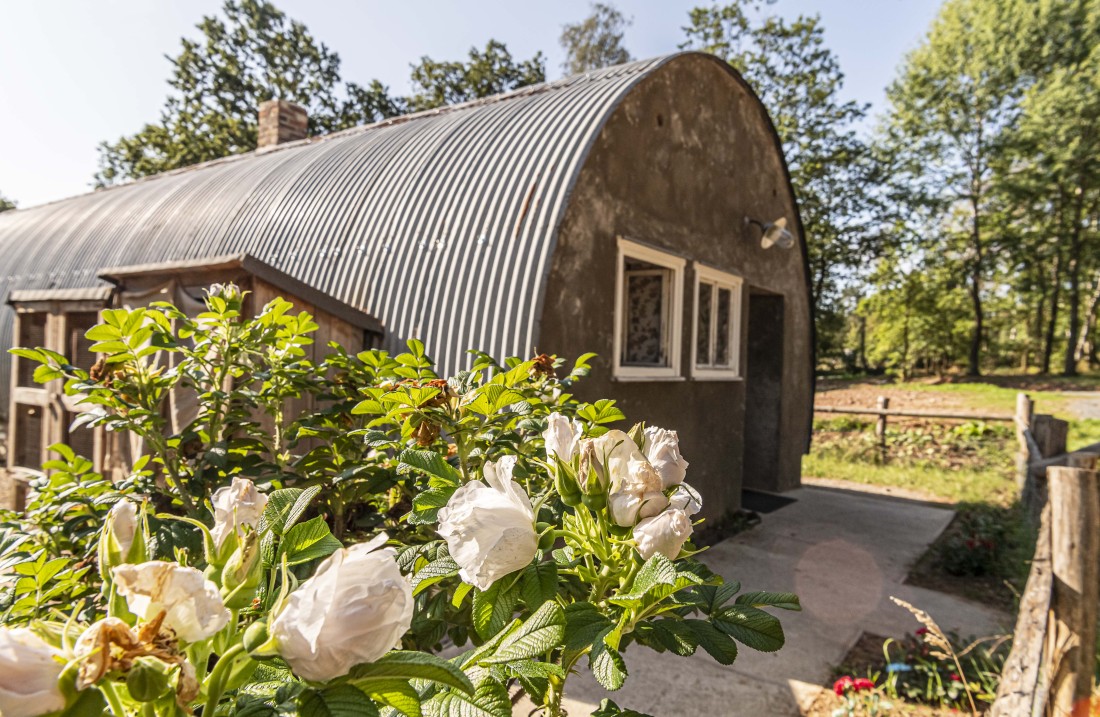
(1056, 284)
(1084, 342)
(863, 344)
(973, 364)
(1069, 366)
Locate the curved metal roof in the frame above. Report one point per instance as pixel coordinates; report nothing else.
(440, 224)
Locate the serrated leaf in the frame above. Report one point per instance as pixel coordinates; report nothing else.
(431, 463)
(751, 626)
(432, 573)
(409, 665)
(607, 665)
(785, 601)
(718, 645)
(539, 583)
(337, 701)
(584, 623)
(398, 694)
(490, 700)
(309, 541)
(658, 570)
(538, 634)
(493, 609)
(672, 635)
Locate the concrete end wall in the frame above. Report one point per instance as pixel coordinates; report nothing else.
(684, 159)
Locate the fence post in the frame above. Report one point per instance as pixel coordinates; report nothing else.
(880, 427)
(1075, 560)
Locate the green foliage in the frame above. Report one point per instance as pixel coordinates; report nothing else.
(376, 442)
(485, 72)
(6, 204)
(256, 53)
(596, 41)
(799, 81)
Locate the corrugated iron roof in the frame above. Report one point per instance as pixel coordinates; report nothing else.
(441, 224)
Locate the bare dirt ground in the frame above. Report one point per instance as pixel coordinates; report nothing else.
(864, 393)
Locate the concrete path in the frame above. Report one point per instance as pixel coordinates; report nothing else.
(844, 553)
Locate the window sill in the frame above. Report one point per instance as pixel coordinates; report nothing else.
(636, 379)
(715, 377)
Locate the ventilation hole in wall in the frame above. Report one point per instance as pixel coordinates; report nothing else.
(660, 120)
(775, 192)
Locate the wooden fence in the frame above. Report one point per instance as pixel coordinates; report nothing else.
(1049, 671)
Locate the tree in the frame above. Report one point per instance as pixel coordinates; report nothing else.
(596, 41)
(949, 108)
(486, 72)
(254, 54)
(799, 81)
(6, 204)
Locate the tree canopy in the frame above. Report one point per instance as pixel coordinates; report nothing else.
(596, 41)
(6, 204)
(256, 53)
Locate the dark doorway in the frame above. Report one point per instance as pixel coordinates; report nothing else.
(763, 391)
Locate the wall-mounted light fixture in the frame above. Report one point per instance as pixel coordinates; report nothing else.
(773, 233)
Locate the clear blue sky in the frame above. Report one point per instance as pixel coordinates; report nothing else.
(76, 72)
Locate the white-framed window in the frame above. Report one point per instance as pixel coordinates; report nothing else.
(716, 325)
(649, 290)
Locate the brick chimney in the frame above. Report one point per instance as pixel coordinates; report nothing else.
(281, 121)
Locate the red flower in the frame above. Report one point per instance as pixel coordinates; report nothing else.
(922, 631)
(843, 685)
(862, 683)
(955, 677)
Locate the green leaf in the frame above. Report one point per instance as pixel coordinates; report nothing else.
(785, 601)
(717, 644)
(285, 507)
(584, 623)
(336, 701)
(432, 573)
(602, 411)
(713, 597)
(539, 583)
(309, 541)
(608, 708)
(490, 700)
(426, 504)
(409, 665)
(673, 635)
(751, 626)
(431, 463)
(398, 694)
(493, 609)
(607, 665)
(540, 633)
(658, 570)
(491, 398)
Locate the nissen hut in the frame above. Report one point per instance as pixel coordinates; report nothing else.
(643, 212)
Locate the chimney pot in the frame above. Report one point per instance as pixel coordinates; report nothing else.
(281, 121)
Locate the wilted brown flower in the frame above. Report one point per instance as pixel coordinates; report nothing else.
(544, 366)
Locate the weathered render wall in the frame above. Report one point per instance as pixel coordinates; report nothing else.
(687, 155)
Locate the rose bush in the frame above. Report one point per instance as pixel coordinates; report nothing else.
(262, 562)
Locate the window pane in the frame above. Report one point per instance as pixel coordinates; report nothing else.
(722, 341)
(32, 334)
(78, 348)
(27, 451)
(702, 326)
(645, 323)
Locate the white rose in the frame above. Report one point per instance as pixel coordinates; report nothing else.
(236, 506)
(29, 670)
(562, 436)
(635, 490)
(490, 526)
(353, 610)
(122, 523)
(192, 605)
(662, 448)
(665, 534)
(686, 498)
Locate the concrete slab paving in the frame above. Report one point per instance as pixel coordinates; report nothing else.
(844, 553)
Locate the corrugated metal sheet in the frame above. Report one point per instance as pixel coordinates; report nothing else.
(440, 224)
